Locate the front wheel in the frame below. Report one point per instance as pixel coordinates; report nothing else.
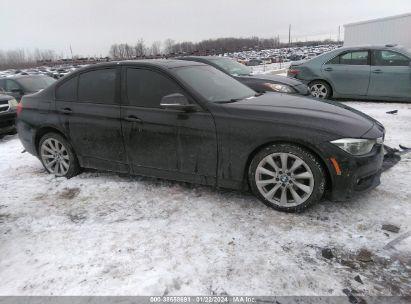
(57, 156)
(286, 177)
(320, 89)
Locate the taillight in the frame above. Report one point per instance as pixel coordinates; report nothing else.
(292, 72)
(19, 108)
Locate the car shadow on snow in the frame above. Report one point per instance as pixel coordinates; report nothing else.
(242, 199)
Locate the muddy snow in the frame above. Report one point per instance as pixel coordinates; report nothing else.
(108, 234)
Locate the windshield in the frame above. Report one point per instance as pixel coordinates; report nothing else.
(35, 83)
(212, 84)
(232, 67)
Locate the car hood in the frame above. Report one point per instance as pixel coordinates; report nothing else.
(5, 97)
(275, 78)
(305, 112)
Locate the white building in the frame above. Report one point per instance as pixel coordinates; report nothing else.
(389, 30)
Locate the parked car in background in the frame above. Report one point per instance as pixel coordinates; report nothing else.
(370, 72)
(20, 85)
(189, 121)
(8, 107)
(259, 83)
(254, 62)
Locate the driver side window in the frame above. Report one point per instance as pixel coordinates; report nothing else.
(146, 88)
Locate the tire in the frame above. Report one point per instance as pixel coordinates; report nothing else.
(65, 160)
(303, 185)
(320, 89)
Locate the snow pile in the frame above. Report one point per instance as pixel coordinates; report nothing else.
(106, 234)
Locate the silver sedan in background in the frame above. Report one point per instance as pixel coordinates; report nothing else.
(369, 72)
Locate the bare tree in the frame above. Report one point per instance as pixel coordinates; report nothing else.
(155, 48)
(168, 46)
(140, 48)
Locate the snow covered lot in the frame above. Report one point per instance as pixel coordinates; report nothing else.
(106, 234)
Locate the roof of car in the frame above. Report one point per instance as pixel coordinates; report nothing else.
(385, 47)
(164, 63)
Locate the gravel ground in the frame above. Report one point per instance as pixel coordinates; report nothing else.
(105, 234)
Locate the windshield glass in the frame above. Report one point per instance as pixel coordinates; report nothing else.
(35, 83)
(212, 84)
(232, 67)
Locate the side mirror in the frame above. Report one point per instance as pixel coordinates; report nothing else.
(178, 102)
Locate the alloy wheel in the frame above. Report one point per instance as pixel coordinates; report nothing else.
(319, 90)
(284, 179)
(55, 157)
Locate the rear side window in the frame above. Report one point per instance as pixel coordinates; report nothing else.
(97, 86)
(389, 58)
(68, 90)
(351, 58)
(146, 88)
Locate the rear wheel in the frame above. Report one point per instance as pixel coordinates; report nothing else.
(286, 177)
(320, 89)
(57, 156)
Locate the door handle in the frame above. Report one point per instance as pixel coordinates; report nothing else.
(66, 111)
(377, 71)
(328, 69)
(133, 118)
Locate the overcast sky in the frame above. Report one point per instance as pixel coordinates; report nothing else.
(91, 26)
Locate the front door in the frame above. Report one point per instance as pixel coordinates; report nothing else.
(390, 75)
(163, 142)
(349, 73)
(89, 110)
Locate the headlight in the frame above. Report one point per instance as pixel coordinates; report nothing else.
(281, 88)
(13, 104)
(357, 146)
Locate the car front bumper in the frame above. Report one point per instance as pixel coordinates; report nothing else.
(302, 89)
(357, 173)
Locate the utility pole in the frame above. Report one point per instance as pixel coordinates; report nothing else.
(71, 51)
(289, 34)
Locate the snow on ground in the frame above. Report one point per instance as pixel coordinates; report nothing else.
(109, 234)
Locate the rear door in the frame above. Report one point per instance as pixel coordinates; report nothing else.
(390, 75)
(89, 109)
(163, 142)
(349, 73)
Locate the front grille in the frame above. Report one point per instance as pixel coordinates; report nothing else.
(3, 102)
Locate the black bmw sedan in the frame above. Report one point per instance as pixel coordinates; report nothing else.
(259, 83)
(188, 121)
